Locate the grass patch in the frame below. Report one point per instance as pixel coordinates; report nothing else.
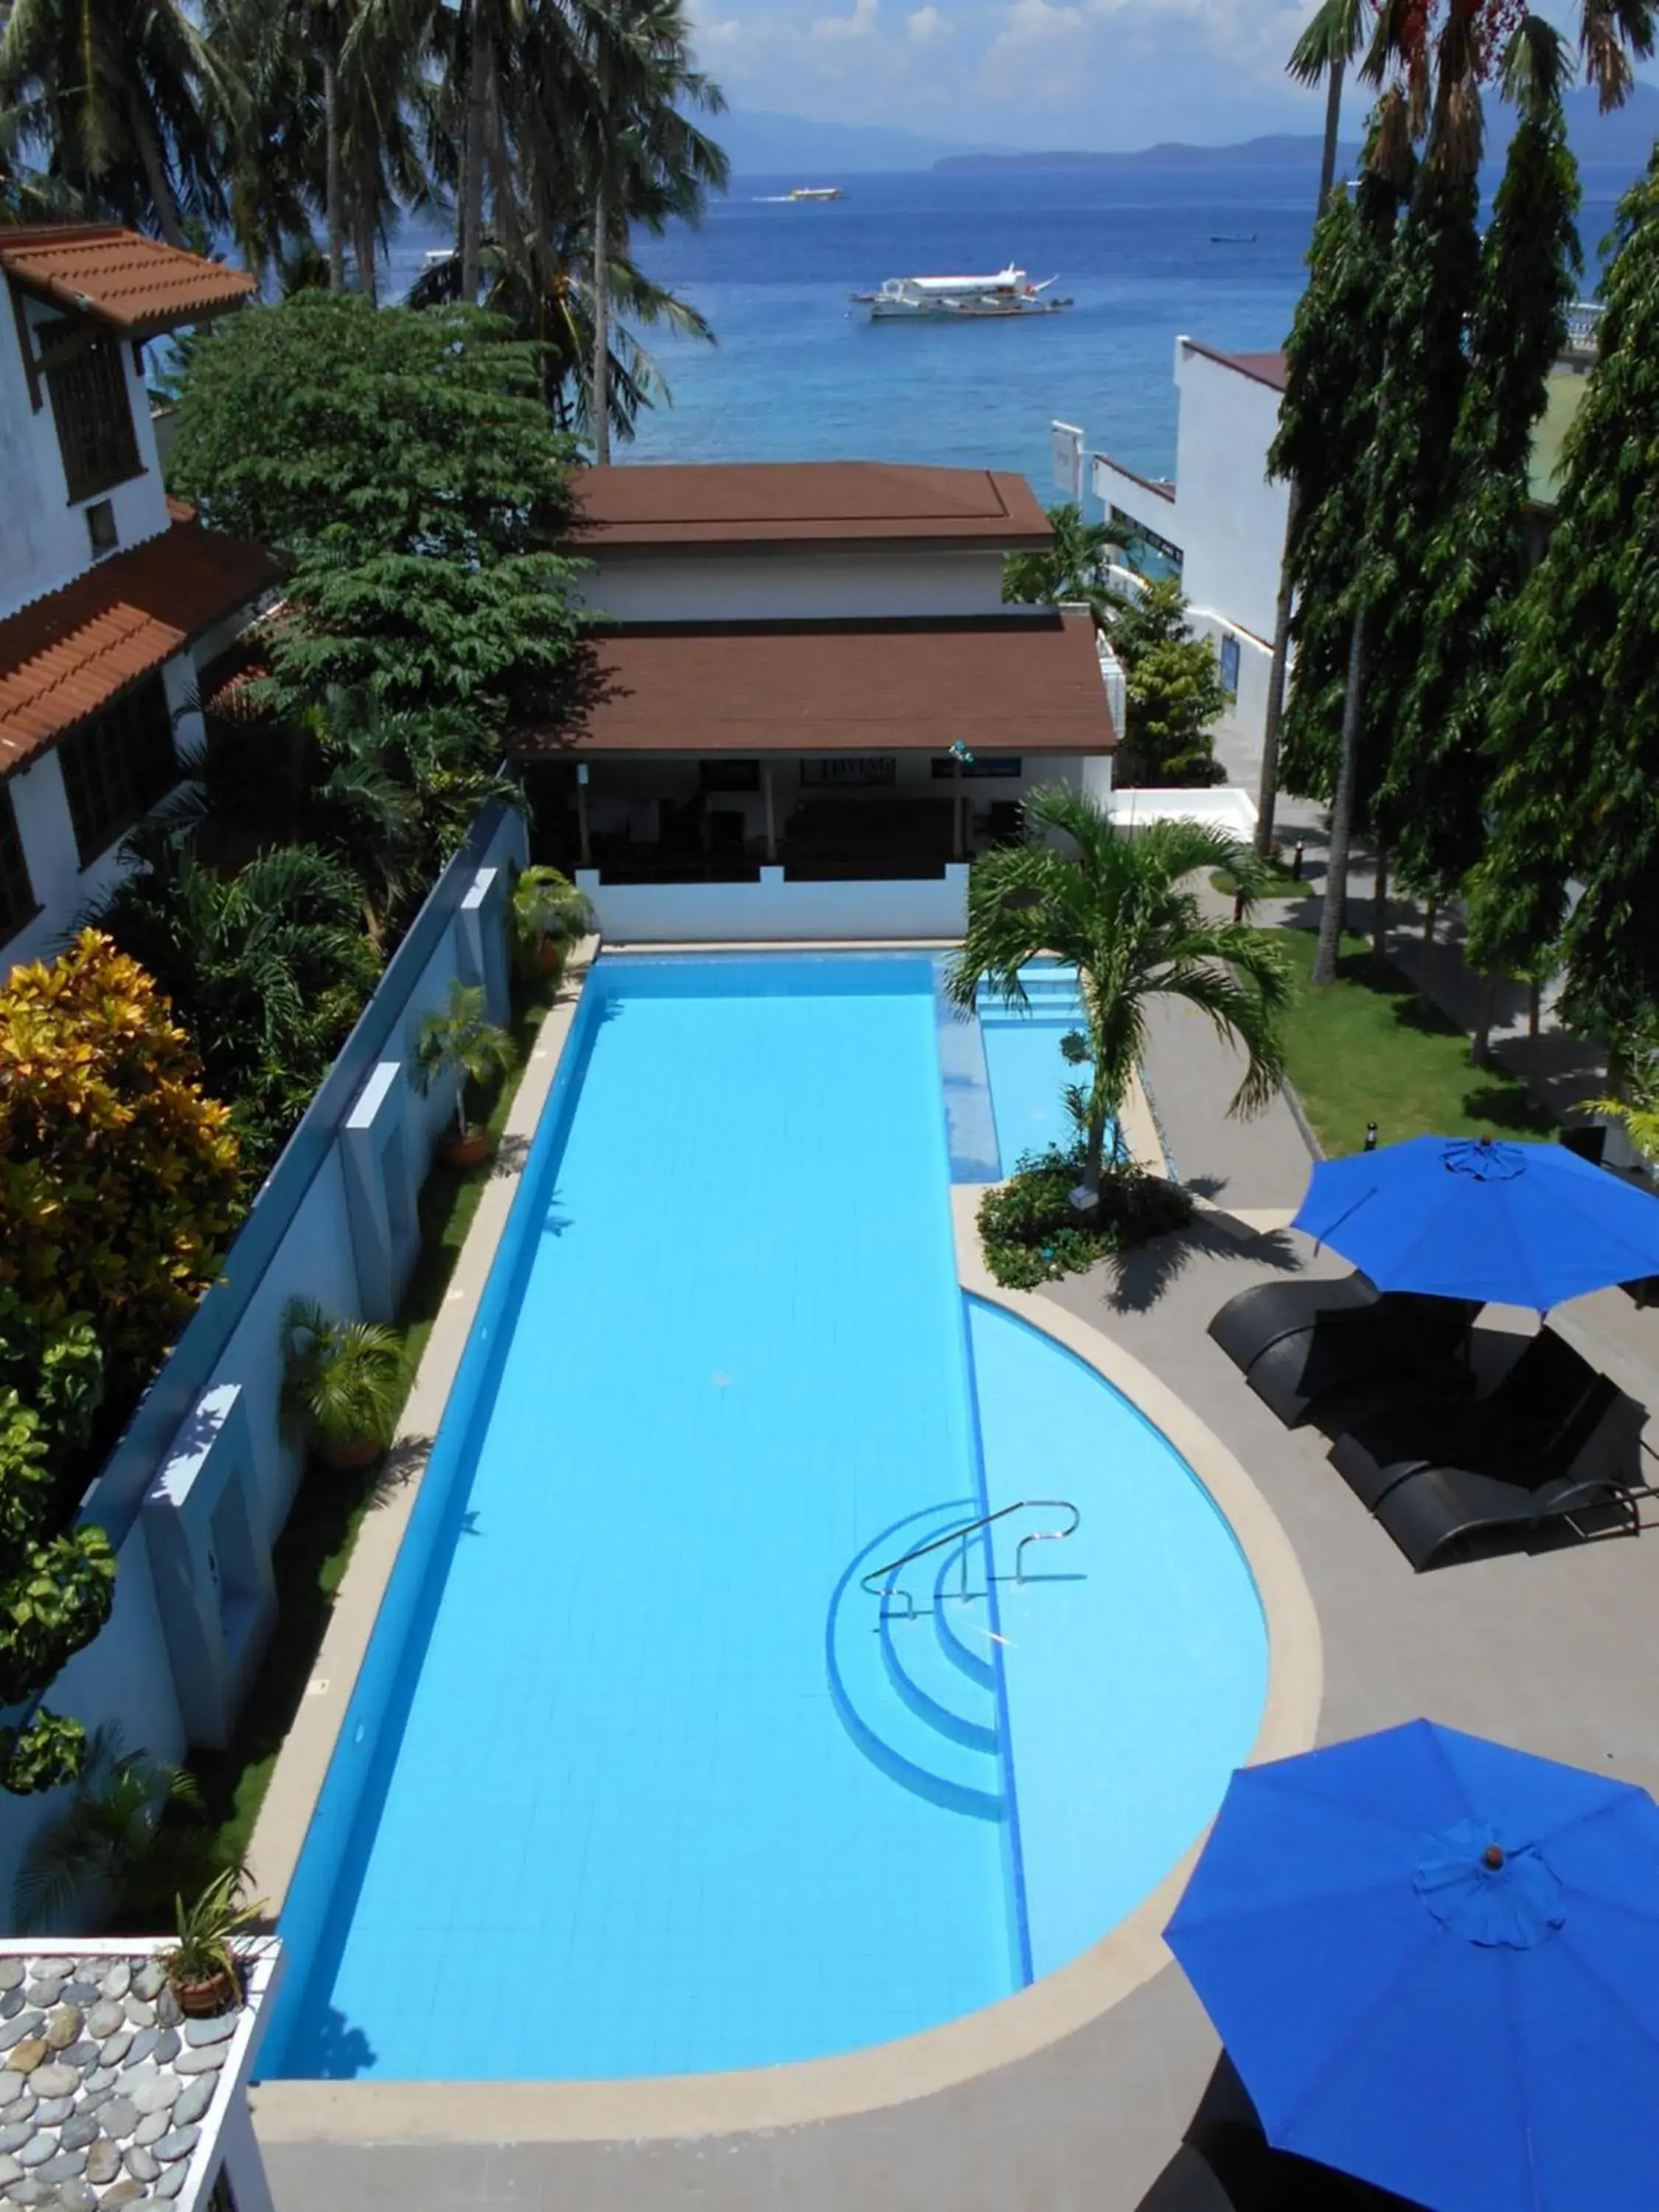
(315, 1548)
(1278, 882)
(1368, 1049)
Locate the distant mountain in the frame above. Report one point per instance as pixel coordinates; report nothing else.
(762, 144)
(1623, 140)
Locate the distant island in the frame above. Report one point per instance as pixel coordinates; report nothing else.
(1283, 150)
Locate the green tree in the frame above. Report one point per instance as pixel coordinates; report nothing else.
(1173, 692)
(110, 1839)
(1073, 566)
(267, 969)
(118, 1177)
(1120, 908)
(1476, 559)
(116, 96)
(555, 312)
(406, 463)
(1576, 720)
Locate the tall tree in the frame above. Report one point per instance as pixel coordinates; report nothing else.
(1576, 722)
(1476, 559)
(115, 93)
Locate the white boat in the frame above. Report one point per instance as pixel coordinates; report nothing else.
(816, 192)
(931, 298)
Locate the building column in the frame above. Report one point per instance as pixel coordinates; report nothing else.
(771, 817)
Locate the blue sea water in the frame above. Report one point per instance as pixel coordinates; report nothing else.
(800, 374)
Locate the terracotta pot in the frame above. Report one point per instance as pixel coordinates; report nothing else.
(346, 1459)
(203, 2000)
(550, 956)
(464, 1152)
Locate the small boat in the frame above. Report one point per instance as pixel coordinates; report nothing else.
(816, 192)
(969, 299)
(1232, 238)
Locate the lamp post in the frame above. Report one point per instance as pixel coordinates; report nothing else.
(961, 758)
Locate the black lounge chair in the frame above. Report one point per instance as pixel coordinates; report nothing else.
(1300, 1344)
(1531, 1418)
(1590, 1461)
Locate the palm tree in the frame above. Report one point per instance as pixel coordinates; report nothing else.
(1118, 906)
(110, 1834)
(267, 116)
(1071, 567)
(549, 299)
(117, 93)
(458, 1039)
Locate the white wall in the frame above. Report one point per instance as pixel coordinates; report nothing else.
(772, 910)
(1231, 520)
(698, 585)
(1238, 733)
(44, 543)
(63, 887)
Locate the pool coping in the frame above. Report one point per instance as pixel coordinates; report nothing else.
(813, 2090)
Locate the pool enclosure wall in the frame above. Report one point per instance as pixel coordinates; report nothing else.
(196, 1492)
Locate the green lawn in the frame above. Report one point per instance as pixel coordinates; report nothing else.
(1367, 1048)
(316, 1544)
(1277, 883)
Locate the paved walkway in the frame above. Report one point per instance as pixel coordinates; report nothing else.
(1555, 1652)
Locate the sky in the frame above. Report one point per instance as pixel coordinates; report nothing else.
(1022, 73)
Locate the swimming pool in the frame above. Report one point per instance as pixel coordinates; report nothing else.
(632, 1742)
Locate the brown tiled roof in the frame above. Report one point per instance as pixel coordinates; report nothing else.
(1024, 683)
(1266, 367)
(804, 503)
(136, 285)
(64, 656)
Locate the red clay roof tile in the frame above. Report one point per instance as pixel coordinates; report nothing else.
(136, 285)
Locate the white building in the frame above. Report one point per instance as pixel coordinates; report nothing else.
(1221, 524)
(110, 596)
(809, 675)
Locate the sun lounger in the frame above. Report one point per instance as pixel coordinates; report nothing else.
(1595, 1462)
(1300, 1344)
(1531, 1418)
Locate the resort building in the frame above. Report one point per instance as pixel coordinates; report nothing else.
(111, 596)
(809, 676)
(1219, 525)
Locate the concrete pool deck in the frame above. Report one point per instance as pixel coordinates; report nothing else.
(1550, 1652)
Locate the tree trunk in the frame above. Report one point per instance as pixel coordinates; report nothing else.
(1481, 1042)
(1535, 1006)
(599, 401)
(1380, 907)
(364, 247)
(333, 180)
(1429, 918)
(1267, 794)
(155, 175)
(472, 158)
(1336, 869)
(1332, 129)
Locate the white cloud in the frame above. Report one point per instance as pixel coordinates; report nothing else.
(926, 24)
(861, 24)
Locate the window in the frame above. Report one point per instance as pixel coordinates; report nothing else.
(117, 765)
(93, 416)
(100, 528)
(17, 900)
(946, 768)
(717, 775)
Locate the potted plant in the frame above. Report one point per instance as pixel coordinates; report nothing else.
(459, 1040)
(548, 914)
(343, 1384)
(203, 1968)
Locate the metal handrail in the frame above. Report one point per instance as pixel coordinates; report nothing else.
(960, 1534)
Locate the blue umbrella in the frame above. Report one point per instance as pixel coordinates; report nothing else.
(1435, 1963)
(1523, 1225)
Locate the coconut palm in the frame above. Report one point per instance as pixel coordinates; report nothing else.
(1073, 566)
(1119, 907)
(116, 93)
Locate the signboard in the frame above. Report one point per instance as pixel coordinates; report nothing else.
(1230, 666)
(1066, 443)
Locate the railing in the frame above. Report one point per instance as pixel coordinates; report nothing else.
(960, 1534)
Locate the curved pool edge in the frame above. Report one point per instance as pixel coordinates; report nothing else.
(886, 2074)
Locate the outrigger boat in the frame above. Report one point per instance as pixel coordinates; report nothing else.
(972, 299)
(816, 192)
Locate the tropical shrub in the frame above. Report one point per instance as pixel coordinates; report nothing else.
(1073, 566)
(458, 1039)
(1173, 692)
(548, 914)
(118, 1176)
(56, 1588)
(1031, 1233)
(344, 1382)
(111, 1838)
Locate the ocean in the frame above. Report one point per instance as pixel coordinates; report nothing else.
(1146, 254)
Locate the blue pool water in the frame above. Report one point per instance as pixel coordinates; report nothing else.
(1028, 1072)
(632, 1740)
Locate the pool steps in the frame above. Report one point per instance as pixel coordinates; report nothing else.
(893, 1714)
(924, 1673)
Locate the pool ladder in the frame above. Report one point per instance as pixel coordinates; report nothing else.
(960, 1534)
